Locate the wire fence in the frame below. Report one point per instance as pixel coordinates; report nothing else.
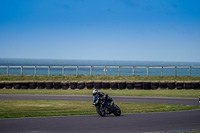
(101, 70)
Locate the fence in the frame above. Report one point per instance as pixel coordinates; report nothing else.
(101, 70)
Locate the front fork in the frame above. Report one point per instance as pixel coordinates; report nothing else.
(102, 109)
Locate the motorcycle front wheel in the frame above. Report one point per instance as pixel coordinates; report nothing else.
(100, 110)
(116, 111)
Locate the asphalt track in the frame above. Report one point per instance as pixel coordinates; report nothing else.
(143, 122)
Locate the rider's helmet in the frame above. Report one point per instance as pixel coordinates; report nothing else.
(95, 91)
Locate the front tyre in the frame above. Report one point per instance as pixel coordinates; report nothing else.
(116, 111)
(100, 110)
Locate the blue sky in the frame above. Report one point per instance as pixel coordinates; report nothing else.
(138, 30)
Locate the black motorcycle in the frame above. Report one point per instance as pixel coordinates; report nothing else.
(199, 99)
(103, 107)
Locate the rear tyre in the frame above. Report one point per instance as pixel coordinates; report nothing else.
(117, 111)
(100, 110)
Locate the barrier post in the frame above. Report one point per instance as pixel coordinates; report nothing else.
(147, 71)
(133, 70)
(162, 71)
(190, 70)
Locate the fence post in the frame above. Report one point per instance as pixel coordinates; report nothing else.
(162, 71)
(147, 71)
(49, 71)
(90, 70)
(105, 70)
(21, 70)
(76, 70)
(35, 70)
(119, 70)
(175, 71)
(7, 70)
(63, 70)
(133, 70)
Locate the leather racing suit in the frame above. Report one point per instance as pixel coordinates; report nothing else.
(104, 96)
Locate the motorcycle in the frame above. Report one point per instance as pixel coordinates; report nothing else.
(103, 107)
(199, 99)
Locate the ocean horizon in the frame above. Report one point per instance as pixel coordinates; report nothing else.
(77, 62)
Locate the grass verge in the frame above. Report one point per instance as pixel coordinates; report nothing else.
(42, 108)
(95, 78)
(126, 92)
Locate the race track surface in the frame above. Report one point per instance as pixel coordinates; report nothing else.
(167, 100)
(127, 123)
(143, 122)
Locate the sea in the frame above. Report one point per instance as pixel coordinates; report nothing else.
(12, 66)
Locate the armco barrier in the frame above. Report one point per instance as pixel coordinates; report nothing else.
(138, 85)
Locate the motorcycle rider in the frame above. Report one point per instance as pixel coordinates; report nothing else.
(102, 95)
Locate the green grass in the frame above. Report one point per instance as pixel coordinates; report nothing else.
(152, 93)
(42, 108)
(192, 132)
(94, 78)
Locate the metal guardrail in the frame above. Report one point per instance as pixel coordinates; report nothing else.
(104, 67)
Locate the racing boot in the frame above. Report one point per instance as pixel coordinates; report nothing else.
(112, 103)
